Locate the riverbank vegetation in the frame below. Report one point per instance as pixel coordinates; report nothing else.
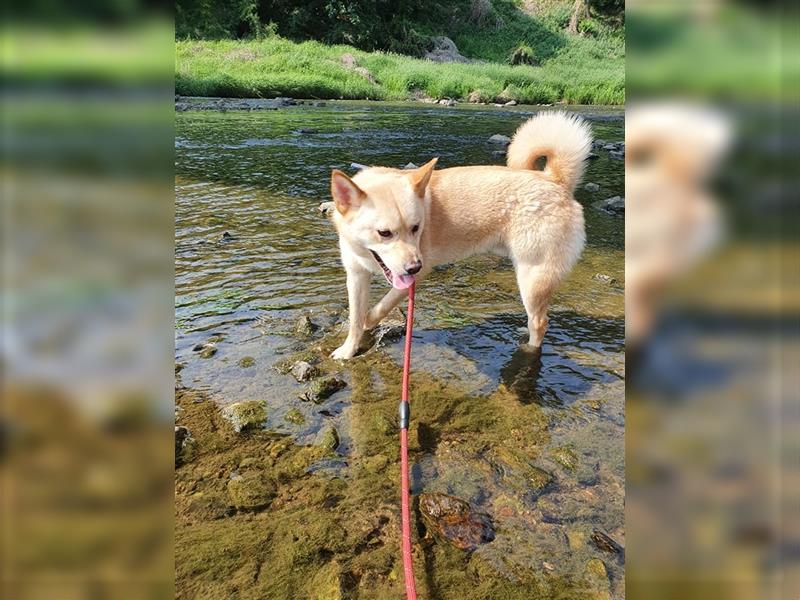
(501, 50)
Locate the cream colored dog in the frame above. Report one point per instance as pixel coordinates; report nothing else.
(404, 223)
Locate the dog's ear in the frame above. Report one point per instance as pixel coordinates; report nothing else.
(421, 176)
(346, 194)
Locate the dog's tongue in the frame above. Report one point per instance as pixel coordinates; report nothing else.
(402, 282)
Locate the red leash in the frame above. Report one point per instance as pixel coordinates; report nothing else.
(405, 416)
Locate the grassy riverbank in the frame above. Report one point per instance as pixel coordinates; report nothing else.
(279, 67)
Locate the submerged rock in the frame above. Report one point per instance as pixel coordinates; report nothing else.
(246, 362)
(303, 371)
(497, 138)
(208, 351)
(294, 416)
(329, 439)
(566, 457)
(596, 576)
(304, 327)
(323, 388)
(249, 414)
(605, 543)
(591, 187)
(454, 521)
(250, 491)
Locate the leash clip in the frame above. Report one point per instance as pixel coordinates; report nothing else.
(405, 414)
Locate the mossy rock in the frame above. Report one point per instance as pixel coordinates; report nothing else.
(323, 388)
(295, 417)
(596, 576)
(304, 327)
(566, 457)
(249, 414)
(246, 362)
(251, 491)
(208, 351)
(329, 439)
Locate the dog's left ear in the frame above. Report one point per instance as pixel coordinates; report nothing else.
(421, 176)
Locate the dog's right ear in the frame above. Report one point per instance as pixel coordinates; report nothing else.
(346, 194)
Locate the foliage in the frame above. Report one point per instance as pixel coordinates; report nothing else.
(522, 55)
(278, 67)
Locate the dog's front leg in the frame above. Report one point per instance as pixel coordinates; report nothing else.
(384, 307)
(389, 301)
(358, 298)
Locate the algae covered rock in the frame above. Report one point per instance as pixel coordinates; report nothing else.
(294, 416)
(454, 521)
(246, 362)
(322, 389)
(250, 491)
(304, 327)
(566, 457)
(329, 439)
(596, 577)
(249, 414)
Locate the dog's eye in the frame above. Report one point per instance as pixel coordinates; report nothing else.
(384, 233)
(415, 229)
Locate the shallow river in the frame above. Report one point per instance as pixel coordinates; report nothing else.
(253, 255)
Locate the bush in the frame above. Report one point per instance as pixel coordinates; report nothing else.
(522, 55)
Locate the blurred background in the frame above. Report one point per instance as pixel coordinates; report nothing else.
(86, 419)
(712, 301)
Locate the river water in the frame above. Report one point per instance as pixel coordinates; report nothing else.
(253, 255)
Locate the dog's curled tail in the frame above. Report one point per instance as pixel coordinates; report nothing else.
(564, 141)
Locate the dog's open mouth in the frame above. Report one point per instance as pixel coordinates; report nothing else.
(400, 282)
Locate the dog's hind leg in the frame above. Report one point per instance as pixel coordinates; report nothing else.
(536, 286)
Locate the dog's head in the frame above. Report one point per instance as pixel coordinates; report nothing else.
(383, 211)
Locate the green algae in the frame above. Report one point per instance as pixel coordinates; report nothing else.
(250, 491)
(320, 535)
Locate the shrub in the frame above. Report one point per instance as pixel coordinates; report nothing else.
(522, 55)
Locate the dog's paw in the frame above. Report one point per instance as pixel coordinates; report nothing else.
(342, 353)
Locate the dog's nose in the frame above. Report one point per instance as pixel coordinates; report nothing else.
(413, 268)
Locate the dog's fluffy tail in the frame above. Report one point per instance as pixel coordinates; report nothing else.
(564, 141)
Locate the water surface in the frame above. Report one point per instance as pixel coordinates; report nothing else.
(253, 254)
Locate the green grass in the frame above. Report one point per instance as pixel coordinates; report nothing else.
(577, 71)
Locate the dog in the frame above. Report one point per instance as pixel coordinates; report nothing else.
(403, 223)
